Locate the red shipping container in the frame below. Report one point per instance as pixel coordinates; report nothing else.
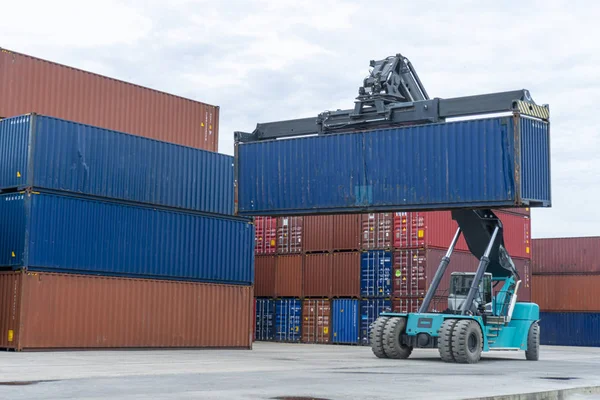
(317, 275)
(415, 268)
(29, 84)
(377, 231)
(316, 320)
(577, 293)
(345, 274)
(289, 235)
(264, 276)
(67, 311)
(566, 255)
(288, 276)
(406, 304)
(265, 235)
(435, 229)
(346, 232)
(318, 233)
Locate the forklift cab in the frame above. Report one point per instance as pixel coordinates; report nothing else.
(460, 283)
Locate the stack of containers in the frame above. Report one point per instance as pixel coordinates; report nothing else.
(566, 277)
(113, 240)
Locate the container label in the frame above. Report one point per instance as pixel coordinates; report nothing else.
(11, 335)
(398, 273)
(18, 174)
(421, 233)
(326, 330)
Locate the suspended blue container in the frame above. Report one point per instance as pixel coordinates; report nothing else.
(288, 317)
(265, 319)
(345, 323)
(369, 311)
(570, 329)
(54, 154)
(493, 162)
(58, 233)
(376, 273)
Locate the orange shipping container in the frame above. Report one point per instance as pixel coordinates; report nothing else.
(29, 84)
(288, 276)
(566, 292)
(58, 311)
(316, 321)
(264, 276)
(317, 275)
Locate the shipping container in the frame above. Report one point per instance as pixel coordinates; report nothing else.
(288, 276)
(567, 292)
(413, 271)
(56, 233)
(318, 233)
(29, 84)
(346, 232)
(317, 275)
(316, 321)
(264, 276)
(492, 162)
(345, 325)
(265, 235)
(570, 329)
(54, 311)
(566, 255)
(409, 304)
(521, 211)
(288, 319)
(289, 235)
(369, 311)
(376, 273)
(48, 153)
(345, 274)
(436, 229)
(377, 231)
(265, 316)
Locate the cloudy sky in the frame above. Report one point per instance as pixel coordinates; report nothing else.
(270, 60)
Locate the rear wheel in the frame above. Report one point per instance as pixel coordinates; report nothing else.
(392, 336)
(445, 340)
(467, 342)
(376, 337)
(533, 343)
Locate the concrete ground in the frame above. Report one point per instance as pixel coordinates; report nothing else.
(290, 371)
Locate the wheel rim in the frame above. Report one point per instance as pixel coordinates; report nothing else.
(472, 342)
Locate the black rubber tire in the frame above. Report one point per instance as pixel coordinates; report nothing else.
(533, 343)
(467, 342)
(376, 336)
(445, 340)
(392, 347)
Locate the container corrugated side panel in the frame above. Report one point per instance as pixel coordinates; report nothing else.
(10, 299)
(120, 239)
(75, 311)
(345, 325)
(345, 274)
(288, 276)
(346, 231)
(264, 277)
(369, 311)
(567, 292)
(30, 84)
(83, 159)
(317, 275)
(535, 160)
(376, 273)
(318, 233)
(14, 151)
(288, 320)
(276, 176)
(566, 255)
(265, 319)
(570, 329)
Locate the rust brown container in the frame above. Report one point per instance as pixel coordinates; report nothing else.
(318, 233)
(567, 292)
(316, 320)
(289, 235)
(346, 232)
(317, 275)
(264, 276)
(288, 276)
(59, 311)
(29, 84)
(377, 231)
(566, 255)
(345, 274)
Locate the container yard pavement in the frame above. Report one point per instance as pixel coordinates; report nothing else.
(280, 371)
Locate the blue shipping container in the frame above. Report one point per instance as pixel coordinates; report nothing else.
(58, 233)
(570, 329)
(369, 311)
(54, 154)
(345, 325)
(288, 317)
(376, 273)
(494, 162)
(265, 312)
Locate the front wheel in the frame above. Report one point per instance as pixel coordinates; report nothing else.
(533, 343)
(392, 338)
(467, 342)
(376, 337)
